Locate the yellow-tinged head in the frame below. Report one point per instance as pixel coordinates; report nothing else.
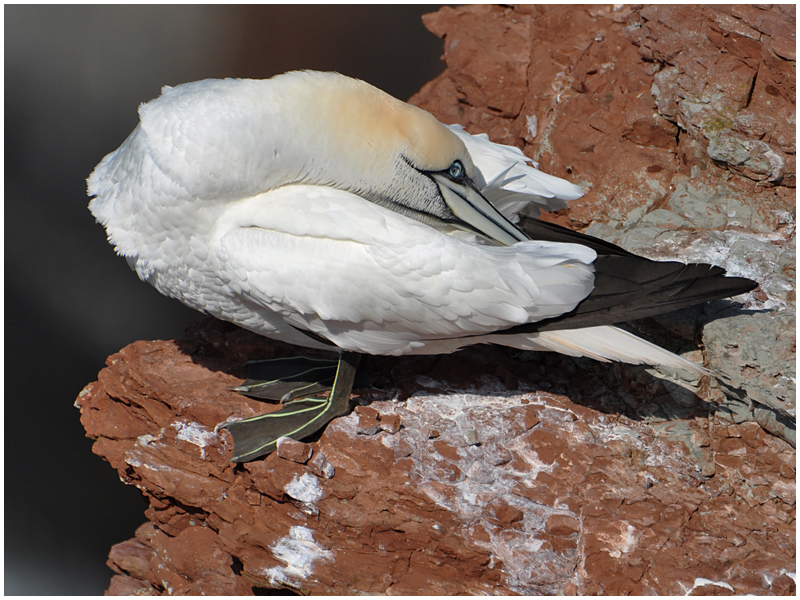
(392, 153)
(217, 141)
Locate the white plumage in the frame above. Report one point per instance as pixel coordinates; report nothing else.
(509, 183)
(312, 202)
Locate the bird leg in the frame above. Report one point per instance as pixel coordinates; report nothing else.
(257, 436)
(284, 379)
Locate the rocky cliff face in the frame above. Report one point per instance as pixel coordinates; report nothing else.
(486, 471)
(679, 122)
(495, 471)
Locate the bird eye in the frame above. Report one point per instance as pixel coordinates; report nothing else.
(456, 170)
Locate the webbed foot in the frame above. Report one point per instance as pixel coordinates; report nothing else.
(258, 436)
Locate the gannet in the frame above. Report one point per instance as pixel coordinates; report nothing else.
(318, 210)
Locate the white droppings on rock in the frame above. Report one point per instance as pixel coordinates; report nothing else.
(499, 421)
(147, 439)
(630, 540)
(298, 552)
(701, 581)
(479, 479)
(134, 460)
(533, 125)
(304, 488)
(196, 434)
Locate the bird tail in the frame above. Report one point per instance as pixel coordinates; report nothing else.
(604, 343)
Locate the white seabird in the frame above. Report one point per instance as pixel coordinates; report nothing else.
(315, 209)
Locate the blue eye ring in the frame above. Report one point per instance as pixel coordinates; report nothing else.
(456, 170)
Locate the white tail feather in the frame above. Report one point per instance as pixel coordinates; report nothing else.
(605, 343)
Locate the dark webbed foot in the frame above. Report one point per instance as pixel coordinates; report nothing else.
(283, 379)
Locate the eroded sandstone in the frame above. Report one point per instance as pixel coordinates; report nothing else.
(555, 486)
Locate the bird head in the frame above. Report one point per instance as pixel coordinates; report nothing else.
(396, 155)
(218, 141)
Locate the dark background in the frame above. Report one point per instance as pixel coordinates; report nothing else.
(74, 77)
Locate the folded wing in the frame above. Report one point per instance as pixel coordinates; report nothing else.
(374, 281)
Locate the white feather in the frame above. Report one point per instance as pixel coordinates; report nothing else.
(510, 183)
(374, 281)
(604, 343)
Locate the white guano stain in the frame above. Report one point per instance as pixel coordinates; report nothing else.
(701, 581)
(533, 126)
(298, 552)
(304, 488)
(196, 434)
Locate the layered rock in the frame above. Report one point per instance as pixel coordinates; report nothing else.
(495, 471)
(501, 472)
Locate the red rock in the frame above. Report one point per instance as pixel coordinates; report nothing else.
(504, 513)
(122, 585)
(293, 450)
(368, 423)
(710, 589)
(321, 467)
(562, 525)
(130, 558)
(484, 512)
(783, 585)
(390, 423)
(589, 94)
(446, 450)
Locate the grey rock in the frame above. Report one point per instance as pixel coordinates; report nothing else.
(681, 431)
(764, 261)
(605, 231)
(736, 410)
(756, 355)
(777, 424)
(707, 208)
(754, 352)
(471, 437)
(665, 218)
(496, 455)
(759, 160)
(665, 91)
(729, 149)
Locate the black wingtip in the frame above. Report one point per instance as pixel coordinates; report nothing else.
(629, 287)
(743, 284)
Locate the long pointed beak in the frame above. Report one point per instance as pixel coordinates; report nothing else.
(469, 205)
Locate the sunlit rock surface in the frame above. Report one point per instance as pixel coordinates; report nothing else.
(486, 471)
